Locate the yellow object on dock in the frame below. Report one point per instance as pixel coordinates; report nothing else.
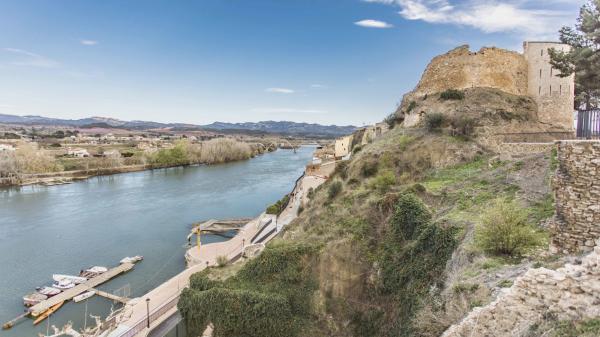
(48, 312)
(68, 294)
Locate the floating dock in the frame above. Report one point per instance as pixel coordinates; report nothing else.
(90, 284)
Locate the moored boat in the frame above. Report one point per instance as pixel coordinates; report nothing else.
(48, 312)
(48, 291)
(93, 272)
(71, 278)
(63, 284)
(33, 299)
(132, 259)
(84, 296)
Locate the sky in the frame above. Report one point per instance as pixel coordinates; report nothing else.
(199, 61)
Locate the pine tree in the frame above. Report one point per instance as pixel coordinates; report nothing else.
(583, 59)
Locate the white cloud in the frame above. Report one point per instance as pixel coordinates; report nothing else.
(280, 90)
(318, 86)
(89, 42)
(29, 59)
(288, 111)
(373, 24)
(529, 18)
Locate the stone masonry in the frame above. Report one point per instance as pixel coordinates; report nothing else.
(571, 292)
(576, 187)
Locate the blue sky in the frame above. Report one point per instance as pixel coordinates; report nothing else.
(324, 61)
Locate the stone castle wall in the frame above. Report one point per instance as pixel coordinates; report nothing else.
(571, 292)
(461, 69)
(577, 191)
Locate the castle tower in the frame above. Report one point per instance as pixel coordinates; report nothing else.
(554, 95)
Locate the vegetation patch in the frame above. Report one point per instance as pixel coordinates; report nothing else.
(452, 94)
(279, 206)
(434, 121)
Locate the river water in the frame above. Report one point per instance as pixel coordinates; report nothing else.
(62, 229)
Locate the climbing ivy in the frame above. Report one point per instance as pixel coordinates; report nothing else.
(268, 297)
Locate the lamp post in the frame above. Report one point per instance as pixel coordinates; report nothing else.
(148, 313)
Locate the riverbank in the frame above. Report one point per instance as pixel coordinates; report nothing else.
(66, 177)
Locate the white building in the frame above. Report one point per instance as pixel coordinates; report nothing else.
(80, 153)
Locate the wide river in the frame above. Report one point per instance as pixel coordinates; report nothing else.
(62, 229)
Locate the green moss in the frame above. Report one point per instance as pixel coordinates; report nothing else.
(505, 284)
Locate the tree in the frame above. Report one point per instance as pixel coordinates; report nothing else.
(583, 59)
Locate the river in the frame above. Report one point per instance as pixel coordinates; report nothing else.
(62, 229)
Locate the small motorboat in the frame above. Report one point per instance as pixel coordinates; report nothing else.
(63, 284)
(84, 296)
(48, 312)
(93, 272)
(48, 291)
(133, 259)
(71, 278)
(33, 299)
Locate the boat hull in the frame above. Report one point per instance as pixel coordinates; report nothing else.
(47, 313)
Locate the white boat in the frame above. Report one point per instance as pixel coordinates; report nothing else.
(84, 296)
(133, 259)
(48, 291)
(63, 284)
(71, 278)
(33, 299)
(97, 269)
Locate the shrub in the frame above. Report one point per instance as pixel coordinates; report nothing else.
(463, 126)
(384, 181)
(334, 189)
(434, 121)
(368, 168)
(222, 261)
(356, 149)
(341, 169)
(452, 94)
(391, 120)
(410, 217)
(505, 231)
(278, 206)
(411, 106)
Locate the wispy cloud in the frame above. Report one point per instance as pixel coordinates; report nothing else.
(88, 42)
(528, 18)
(29, 59)
(280, 90)
(318, 86)
(288, 111)
(373, 24)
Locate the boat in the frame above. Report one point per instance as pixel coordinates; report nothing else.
(84, 296)
(48, 291)
(48, 312)
(33, 299)
(73, 279)
(63, 284)
(93, 272)
(133, 259)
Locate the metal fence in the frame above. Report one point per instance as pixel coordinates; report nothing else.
(588, 124)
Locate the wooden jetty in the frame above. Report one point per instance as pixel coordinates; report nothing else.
(110, 296)
(68, 294)
(222, 225)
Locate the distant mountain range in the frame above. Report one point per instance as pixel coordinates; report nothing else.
(282, 127)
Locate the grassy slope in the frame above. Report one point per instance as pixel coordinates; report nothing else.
(366, 283)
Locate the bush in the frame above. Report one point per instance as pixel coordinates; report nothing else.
(434, 121)
(463, 126)
(334, 189)
(391, 120)
(410, 217)
(452, 94)
(222, 261)
(279, 206)
(384, 181)
(368, 168)
(341, 169)
(411, 106)
(505, 231)
(356, 149)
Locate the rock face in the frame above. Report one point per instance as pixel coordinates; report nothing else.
(577, 190)
(462, 69)
(571, 292)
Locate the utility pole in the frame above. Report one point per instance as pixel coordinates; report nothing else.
(148, 313)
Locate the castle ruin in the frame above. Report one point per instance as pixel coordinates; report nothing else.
(523, 74)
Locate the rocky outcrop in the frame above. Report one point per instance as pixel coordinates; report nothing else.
(577, 190)
(571, 292)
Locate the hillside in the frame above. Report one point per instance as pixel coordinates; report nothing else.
(272, 127)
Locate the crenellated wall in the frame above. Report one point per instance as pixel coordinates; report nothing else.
(576, 187)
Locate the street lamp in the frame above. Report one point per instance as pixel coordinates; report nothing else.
(148, 313)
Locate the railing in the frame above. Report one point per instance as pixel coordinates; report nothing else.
(154, 315)
(588, 124)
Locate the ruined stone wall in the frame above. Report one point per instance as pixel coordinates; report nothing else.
(462, 69)
(571, 292)
(577, 191)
